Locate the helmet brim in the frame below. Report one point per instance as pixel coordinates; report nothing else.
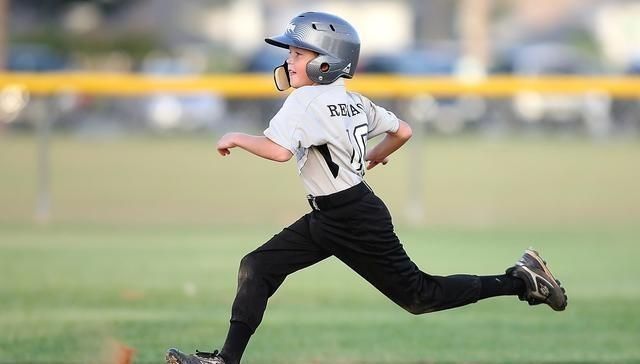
(274, 41)
(283, 41)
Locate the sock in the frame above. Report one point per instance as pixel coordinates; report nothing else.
(501, 285)
(237, 340)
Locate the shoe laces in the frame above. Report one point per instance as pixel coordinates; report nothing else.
(206, 355)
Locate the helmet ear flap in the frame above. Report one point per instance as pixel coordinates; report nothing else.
(281, 77)
(325, 69)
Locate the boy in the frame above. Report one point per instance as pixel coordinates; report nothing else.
(326, 128)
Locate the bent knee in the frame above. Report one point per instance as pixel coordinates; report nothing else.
(249, 265)
(419, 308)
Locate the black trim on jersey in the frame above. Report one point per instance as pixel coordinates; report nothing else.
(362, 150)
(353, 152)
(333, 167)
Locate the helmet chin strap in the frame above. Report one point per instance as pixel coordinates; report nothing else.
(281, 77)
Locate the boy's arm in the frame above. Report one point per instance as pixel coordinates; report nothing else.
(388, 145)
(258, 145)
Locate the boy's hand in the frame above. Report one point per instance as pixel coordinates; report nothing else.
(225, 143)
(376, 162)
(391, 142)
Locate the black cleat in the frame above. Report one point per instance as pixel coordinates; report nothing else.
(541, 286)
(175, 356)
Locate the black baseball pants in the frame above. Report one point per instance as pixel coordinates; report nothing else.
(356, 228)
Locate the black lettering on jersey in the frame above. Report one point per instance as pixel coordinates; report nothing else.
(344, 110)
(334, 110)
(324, 151)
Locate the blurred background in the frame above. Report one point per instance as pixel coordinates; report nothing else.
(419, 38)
(462, 42)
(121, 227)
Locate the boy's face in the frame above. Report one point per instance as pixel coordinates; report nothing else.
(297, 63)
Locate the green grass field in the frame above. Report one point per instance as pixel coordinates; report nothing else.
(147, 233)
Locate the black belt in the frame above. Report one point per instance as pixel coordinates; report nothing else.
(338, 199)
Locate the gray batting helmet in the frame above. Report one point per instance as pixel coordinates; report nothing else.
(333, 38)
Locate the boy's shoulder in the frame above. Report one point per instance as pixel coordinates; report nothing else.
(303, 97)
(358, 96)
(299, 99)
(306, 95)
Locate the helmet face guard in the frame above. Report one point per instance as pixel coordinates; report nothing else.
(281, 77)
(334, 39)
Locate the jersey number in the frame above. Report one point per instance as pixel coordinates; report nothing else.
(358, 139)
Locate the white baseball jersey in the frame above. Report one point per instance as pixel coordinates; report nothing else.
(326, 128)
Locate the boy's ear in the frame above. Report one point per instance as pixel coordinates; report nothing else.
(281, 77)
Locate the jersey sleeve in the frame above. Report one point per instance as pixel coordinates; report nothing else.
(380, 119)
(293, 127)
(283, 126)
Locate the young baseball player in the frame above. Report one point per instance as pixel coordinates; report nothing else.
(326, 128)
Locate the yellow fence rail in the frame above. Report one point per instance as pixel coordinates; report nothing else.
(261, 85)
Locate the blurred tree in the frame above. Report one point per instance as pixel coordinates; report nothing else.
(46, 24)
(55, 7)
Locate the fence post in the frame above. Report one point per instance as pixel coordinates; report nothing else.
(43, 166)
(421, 109)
